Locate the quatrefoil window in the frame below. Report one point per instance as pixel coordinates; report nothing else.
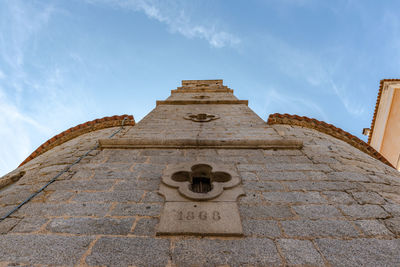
(200, 181)
(201, 178)
(201, 117)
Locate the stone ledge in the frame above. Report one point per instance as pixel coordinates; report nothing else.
(202, 90)
(127, 143)
(194, 102)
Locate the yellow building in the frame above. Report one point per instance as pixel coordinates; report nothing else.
(384, 134)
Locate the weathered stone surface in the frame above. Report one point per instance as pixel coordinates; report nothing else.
(250, 167)
(320, 228)
(5, 210)
(15, 198)
(297, 167)
(265, 212)
(293, 197)
(29, 224)
(393, 209)
(152, 197)
(317, 211)
(75, 209)
(392, 198)
(201, 218)
(60, 196)
(372, 227)
(368, 198)
(91, 226)
(123, 251)
(317, 158)
(162, 152)
(115, 196)
(262, 186)
(291, 176)
(261, 228)
(7, 225)
(43, 249)
(300, 252)
(248, 176)
(382, 188)
(146, 227)
(148, 209)
(251, 198)
(149, 171)
(339, 197)
(122, 156)
(348, 176)
(322, 186)
(360, 252)
(83, 174)
(286, 159)
(364, 211)
(151, 185)
(393, 224)
(81, 185)
(242, 252)
(112, 174)
(281, 176)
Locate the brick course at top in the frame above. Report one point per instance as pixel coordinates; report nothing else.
(327, 129)
(78, 130)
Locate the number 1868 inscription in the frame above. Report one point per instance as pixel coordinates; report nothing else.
(201, 215)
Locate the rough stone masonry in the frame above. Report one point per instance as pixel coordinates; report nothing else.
(310, 198)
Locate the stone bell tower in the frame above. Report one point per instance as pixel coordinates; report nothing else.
(202, 181)
(201, 189)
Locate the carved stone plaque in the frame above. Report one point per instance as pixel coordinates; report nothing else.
(200, 199)
(205, 218)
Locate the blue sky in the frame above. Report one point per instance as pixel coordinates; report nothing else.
(63, 63)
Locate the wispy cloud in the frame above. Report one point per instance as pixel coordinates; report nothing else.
(275, 101)
(354, 108)
(15, 130)
(176, 19)
(313, 68)
(32, 94)
(19, 24)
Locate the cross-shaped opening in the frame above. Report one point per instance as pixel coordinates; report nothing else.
(201, 178)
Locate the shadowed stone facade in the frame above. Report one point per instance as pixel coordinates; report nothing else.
(322, 203)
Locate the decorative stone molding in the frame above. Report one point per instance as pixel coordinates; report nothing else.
(200, 199)
(127, 143)
(201, 117)
(194, 102)
(182, 177)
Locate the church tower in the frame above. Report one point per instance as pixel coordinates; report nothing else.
(202, 181)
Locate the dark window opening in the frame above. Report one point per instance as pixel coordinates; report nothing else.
(201, 185)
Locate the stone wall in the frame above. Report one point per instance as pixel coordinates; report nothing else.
(327, 203)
